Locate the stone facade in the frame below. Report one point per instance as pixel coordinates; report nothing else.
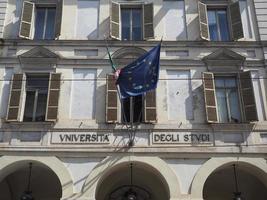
(186, 153)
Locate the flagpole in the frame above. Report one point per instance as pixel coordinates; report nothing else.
(114, 69)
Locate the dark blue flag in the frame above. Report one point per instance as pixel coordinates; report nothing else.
(141, 75)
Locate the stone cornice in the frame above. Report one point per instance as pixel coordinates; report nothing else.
(115, 43)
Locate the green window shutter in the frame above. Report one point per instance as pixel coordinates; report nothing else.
(150, 107)
(15, 97)
(210, 97)
(27, 19)
(53, 97)
(58, 18)
(111, 99)
(203, 21)
(236, 22)
(148, 15)
(115, 28)
(248, 98)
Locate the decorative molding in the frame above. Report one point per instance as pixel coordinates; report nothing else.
(224, 60)
(38, 55)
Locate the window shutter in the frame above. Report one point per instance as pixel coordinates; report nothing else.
(111, 99)
(115, 30)
(210, 97)
(53, 97)
(203, 21)
(236, 22)
(150, 107)
(248, 98)
(27, 19)
(58, 18)
(148, 15)
(15, 97)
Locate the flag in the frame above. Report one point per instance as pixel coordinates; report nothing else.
(141, 75)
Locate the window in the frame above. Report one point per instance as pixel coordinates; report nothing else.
(34, 97)
(131, 24)
(132, 107)
(220, 23)
(143, 106)
(40, 21)
(45, 23)
(229, 98)
(131, 21)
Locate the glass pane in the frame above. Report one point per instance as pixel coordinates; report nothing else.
(138, 108)
(219, 82)
(235, 115)
(41, 106)
(222, 105)
(50, 23)
(137, 24)
(37, 81)
(29, 104)
(125, 111)
(125, 24)
(213, 25)
(39, 23)
(230, 82)
(223, 25)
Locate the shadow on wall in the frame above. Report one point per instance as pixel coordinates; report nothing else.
(101, 32)
(11, 29)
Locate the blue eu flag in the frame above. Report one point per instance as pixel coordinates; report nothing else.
(141, 75)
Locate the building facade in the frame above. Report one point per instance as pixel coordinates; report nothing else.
(65, 133)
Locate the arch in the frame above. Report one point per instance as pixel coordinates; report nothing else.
(126, 51)
(214, 163)
(9, 164)
(126, 55)
(95, 177)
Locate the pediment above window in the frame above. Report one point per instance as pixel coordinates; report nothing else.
(38, 55)
(224, 59)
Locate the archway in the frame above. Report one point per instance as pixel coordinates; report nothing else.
(32, 178)
(15, 164)
(221, 184)
(137, 179)
(257, 167)
(111, 166)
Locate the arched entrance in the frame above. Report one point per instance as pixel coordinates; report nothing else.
(48, 167)
(135, 181)
(222, 184)
(217, 174)
(115, 169)
(30, 178)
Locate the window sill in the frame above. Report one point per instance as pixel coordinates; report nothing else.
(232, 126)
(30, 125)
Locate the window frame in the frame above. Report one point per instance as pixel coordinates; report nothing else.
(209, 5)
(243, 91)
(131, 115)
(27, 28)
(36, 95)
(114, 109)
(18, 85)
(131, 8)
(238, 87)
(217, 8)
(147, 10)
(45, 6)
